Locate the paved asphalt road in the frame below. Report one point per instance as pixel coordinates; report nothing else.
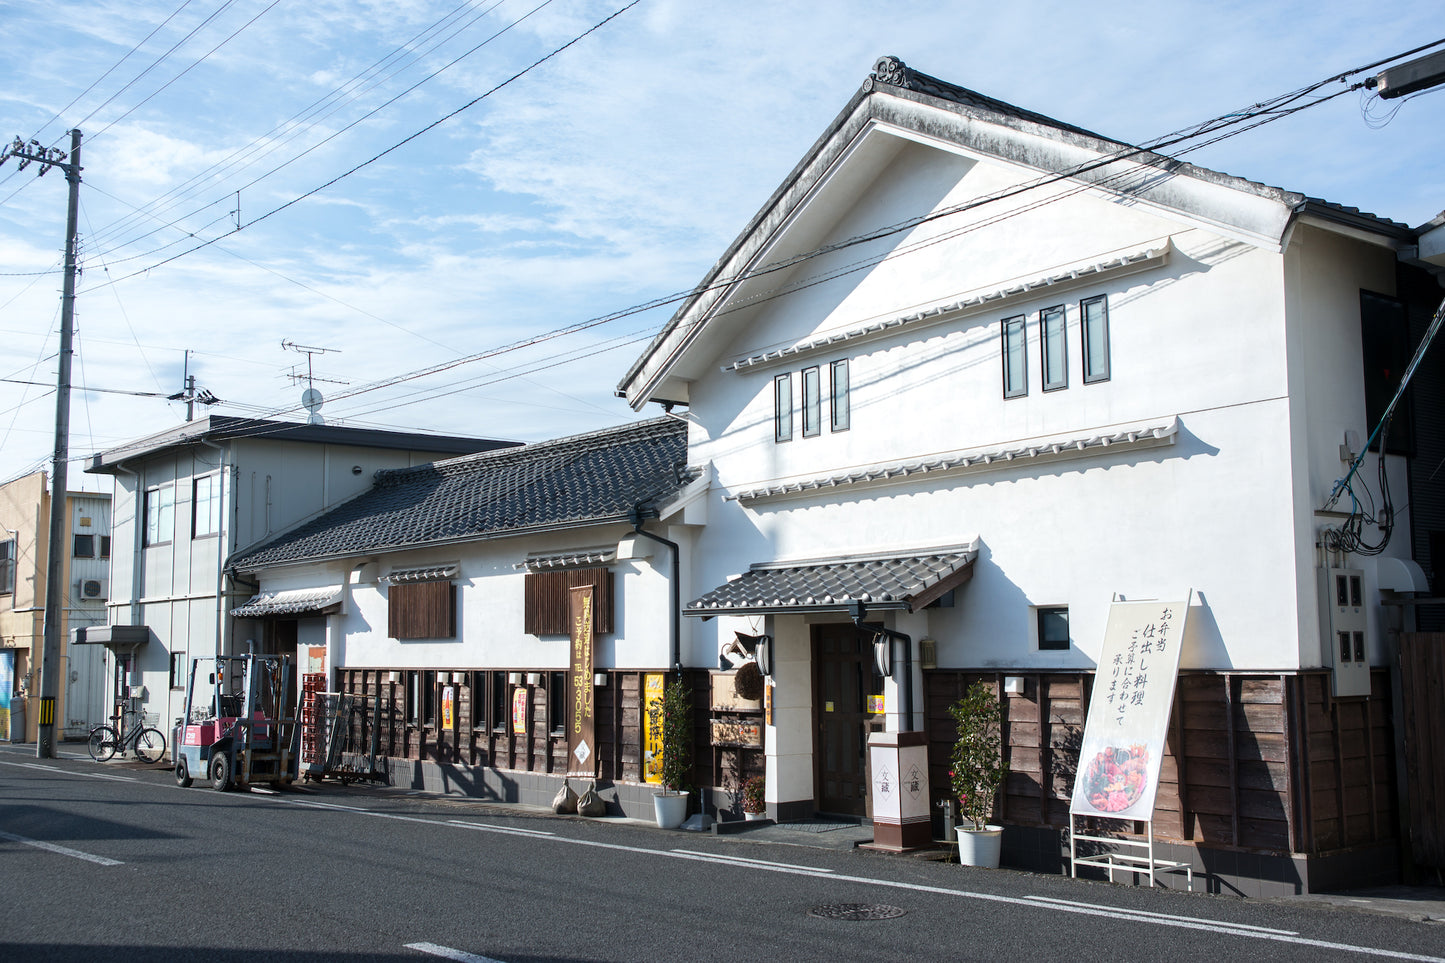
(117, 863)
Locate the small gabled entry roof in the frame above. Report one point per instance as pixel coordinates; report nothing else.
(311, 601)
(895, 581)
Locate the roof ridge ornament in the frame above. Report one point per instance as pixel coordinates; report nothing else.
(891, 70)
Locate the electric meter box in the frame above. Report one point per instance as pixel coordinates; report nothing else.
(1345, 625)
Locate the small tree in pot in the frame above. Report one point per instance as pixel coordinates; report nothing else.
(976, 765)
(670, 719)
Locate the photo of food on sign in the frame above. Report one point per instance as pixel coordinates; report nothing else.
(1116, 778)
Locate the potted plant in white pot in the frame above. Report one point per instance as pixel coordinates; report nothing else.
(976, 773)
(670, 718)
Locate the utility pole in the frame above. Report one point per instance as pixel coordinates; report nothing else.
(48, 157)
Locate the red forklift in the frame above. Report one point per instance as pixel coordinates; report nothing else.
(238, 728)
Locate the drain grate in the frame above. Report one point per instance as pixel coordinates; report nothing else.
(856, 911)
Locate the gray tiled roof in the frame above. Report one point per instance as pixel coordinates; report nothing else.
(567, 482)
(892, 582)
(293, 602)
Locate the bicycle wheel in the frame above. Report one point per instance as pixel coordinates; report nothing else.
(150, 745)
(102, 743)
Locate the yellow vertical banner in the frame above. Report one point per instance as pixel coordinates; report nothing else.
(519, 710)
(651, 735)
(581, 734)
(448, 707)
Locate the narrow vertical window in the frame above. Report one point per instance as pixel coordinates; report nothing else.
(812, 402)
(205, 506)
(105, 546)
(783, 408)
(1095, 327)
(1015, 358)
(7, 566)
(160, 511)
(1055, 348)
(838, 377)
(501, 702)
(557, 703)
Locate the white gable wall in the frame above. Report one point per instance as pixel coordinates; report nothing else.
(1200, 338)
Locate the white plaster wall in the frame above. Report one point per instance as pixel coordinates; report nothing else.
(1324, 274)
(490, 606)
(1201, 338)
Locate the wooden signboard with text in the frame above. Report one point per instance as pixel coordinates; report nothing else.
(581, 736)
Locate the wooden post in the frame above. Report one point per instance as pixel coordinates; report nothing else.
(1233, 759)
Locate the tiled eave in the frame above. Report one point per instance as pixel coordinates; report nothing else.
(431, 573)
(1114, 264)
(290, 602)
(1049, 449)
(585, 558)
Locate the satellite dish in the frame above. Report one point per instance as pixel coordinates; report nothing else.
(311, 399)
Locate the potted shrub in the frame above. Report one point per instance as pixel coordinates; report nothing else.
(670, 720)
(976, 773)
(755, 801)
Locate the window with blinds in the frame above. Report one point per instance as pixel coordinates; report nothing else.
(422, 610)
(548, 604)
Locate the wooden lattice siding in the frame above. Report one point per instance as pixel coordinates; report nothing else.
(548, 605)
(1422, 675)
(476, 740)
(421, 610)
(1262, 762)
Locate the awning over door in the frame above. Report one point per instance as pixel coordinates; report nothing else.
(903, 581)
(112, 636)
(291, 602)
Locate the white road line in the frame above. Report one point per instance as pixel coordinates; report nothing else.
(62, 850)
(446, 952)
(744, 861)
(508, 830)
(1037, 903)
(68, 772)
(1165, 916)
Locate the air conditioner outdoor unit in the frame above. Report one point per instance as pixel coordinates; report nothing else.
(92, 588)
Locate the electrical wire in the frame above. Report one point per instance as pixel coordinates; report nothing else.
(303, 121)
(1350, 536)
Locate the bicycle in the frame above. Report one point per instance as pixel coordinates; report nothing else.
(148, 742)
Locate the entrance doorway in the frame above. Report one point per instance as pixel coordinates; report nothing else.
(843, 679)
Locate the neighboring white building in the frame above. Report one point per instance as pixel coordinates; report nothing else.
(443, 591)
(186, 499)
(986, 372)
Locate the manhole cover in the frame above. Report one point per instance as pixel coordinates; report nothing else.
(856, 911)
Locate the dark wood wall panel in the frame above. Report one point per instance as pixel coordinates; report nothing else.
(1242, 752)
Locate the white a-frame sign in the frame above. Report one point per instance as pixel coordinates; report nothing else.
(1128, 722)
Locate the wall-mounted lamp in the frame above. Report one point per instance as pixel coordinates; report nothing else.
(393, 677)
(1013, 684)
(534, 678)
(514, 678)
(928, 653)
(599, 679)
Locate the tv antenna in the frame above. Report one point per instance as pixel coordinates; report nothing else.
(311, 398)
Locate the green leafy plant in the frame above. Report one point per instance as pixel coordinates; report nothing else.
(671, 718)
(755, 795)
(976, 764)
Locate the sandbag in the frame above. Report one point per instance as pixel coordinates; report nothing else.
(591, 804)
(566, 800)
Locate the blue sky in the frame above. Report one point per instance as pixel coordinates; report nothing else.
(614, 173)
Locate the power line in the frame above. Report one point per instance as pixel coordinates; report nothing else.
(366, 163)
(292, 128)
